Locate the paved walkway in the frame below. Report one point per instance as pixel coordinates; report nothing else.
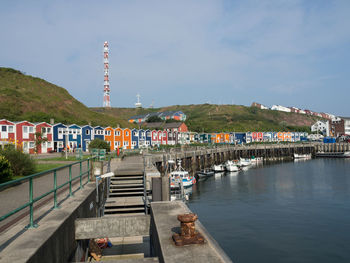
(16, 196)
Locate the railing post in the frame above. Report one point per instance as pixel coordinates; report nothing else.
(70, 181)
(88, 169)
(31, 209)
(81, 176)
(55, 206)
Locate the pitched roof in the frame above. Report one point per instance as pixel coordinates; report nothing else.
(171, 125)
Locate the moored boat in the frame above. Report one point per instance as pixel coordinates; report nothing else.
(218, 168)
(205, 173)
(333, 154)
(244, 162)
(180, 174)
(231, 166)
(302, 156)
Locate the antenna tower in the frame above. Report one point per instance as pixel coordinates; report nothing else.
(106, 90)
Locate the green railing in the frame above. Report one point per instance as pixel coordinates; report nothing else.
(56, 187)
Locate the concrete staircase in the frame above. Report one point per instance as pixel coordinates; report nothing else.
(126, 194)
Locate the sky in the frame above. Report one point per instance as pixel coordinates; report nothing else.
(290, 53)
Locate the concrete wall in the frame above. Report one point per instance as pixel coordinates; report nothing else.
(54, 239)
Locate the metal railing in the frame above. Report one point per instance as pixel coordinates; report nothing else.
(56, 187)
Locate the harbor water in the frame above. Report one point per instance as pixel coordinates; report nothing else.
(281, 212)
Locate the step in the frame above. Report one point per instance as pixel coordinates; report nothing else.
(123, 190)
(114, 206)
(126, 178)
(125, 186)
(123, 214)
(127, 174)
(121, 182)
(126, 194)
(124, 209)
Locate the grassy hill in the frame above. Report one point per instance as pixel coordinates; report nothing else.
(24, 97)
(211, 118)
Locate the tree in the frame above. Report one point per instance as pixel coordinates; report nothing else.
(39, 139)
(99, 144)
(154, 119)
(5, 169)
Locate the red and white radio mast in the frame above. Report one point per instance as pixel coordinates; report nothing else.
(106, 90)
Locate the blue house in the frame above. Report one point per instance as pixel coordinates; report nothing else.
(74, 136)
(142, 138)
(59, 136)
(148, 138)
(134, 139)
(240, 137)
(98, 133)
(87, 133)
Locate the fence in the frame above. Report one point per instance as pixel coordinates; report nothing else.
(53, 191)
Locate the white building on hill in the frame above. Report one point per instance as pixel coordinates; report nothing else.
(280, 108)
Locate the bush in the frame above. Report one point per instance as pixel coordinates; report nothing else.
(21, 163)
(5, 169)
(99, 144)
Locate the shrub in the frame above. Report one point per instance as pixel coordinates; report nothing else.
(99, 144)
(5, 169)
(21, 163)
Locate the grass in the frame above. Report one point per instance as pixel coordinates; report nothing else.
(69, 159)
(41, 167)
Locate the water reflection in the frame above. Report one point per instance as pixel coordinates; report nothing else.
(282, 212)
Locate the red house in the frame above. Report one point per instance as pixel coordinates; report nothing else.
(46, 131)
(164, 137)
(25, 136)
(154, 138)
(7, 131)
(159, 136)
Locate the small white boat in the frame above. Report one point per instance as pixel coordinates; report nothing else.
(219, 168)
(302, 156)
(244, 162)
(231, 166)
(257, 160)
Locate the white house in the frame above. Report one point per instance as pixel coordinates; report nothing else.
(321, 127)
(280, 108)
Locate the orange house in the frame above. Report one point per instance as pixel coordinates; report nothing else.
(109, 137)
(118, 138)
(227, 137)
(126, 138)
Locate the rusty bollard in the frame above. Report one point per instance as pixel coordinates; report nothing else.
(188, 234)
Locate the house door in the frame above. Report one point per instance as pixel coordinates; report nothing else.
(44, 147)
(87, 145)
(4, 134)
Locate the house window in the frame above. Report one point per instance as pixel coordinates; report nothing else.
(49, 144)
(74, 131)
(11, 128)
(106, 133)
(48, 130)
(126, 133)
(70, 131)
(126, 143)
(31, 144)
(3, 128)
(60, 144)
(31, 129)
(118, 133)
(143, 134)
(134, 143)
(87, 132)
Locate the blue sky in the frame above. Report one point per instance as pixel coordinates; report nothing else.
(292, 53)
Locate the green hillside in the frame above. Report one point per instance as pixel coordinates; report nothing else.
(24, 97)
(212, 118)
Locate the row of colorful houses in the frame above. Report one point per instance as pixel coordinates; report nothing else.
(60, 136)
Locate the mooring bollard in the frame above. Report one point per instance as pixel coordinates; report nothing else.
(188, 234)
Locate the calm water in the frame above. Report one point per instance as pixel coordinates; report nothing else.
(285, 212)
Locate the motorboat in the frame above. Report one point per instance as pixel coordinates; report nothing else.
(205, 173)
(218, 168)
(244, 162)
(180, 174)
(302, 156)
(231, 166)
